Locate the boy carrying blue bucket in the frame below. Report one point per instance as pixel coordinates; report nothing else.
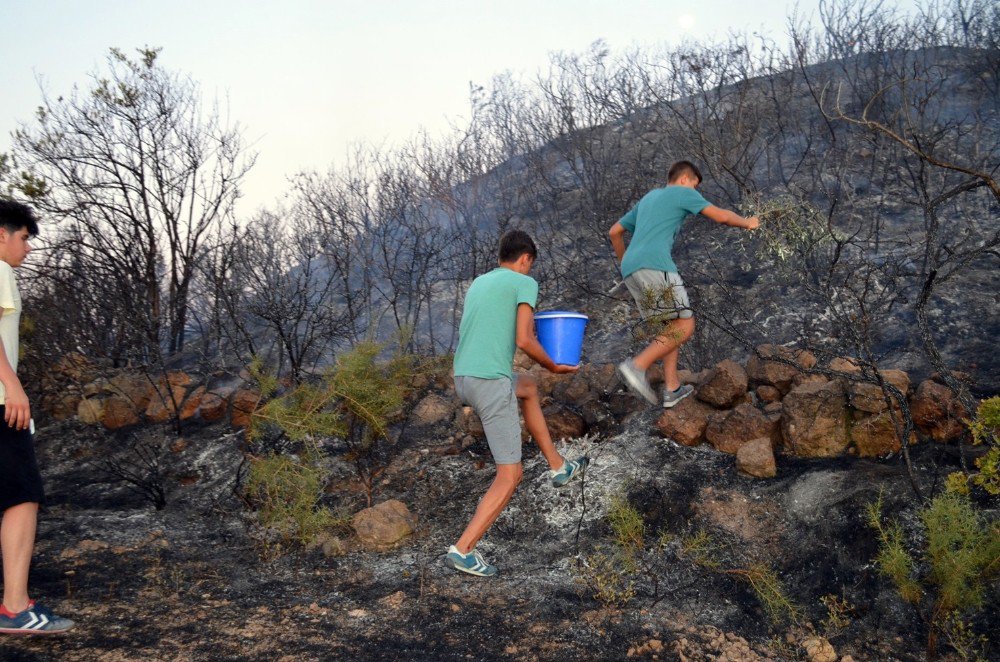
(651, 275)
(497, 317)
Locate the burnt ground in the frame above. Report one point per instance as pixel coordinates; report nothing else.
(193, 581)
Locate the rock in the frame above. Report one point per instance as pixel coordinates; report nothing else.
(90, 411)
(814, 420)
(133, 387)
(725, 386)
(729, 430)
(869, 397)
(163, 404)
(768, 394)
(328, 543)
(693, 378)
(937, 412)
(772, 409)
(468, 422)
(175, 378)
(178, 445)
(95, 387)
(778, 375)
(624, 403)
(685, 423)
(603, 377)
(432, 410)
(802, 378)
(64, 406)
(76, 368)
(118, 413)
(818, 649)
(546, 381)
(244, 404)
(564, 423)
(575, 390)
(384, 525)
(756, 458)
(875, 436)
(192, 404)
(214, 405)
(956, 374)
(846, 365)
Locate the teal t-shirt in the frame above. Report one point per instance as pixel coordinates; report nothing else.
(654, 222)
(486, 335)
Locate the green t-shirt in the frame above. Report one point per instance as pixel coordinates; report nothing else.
(489, 323)
(654, 222)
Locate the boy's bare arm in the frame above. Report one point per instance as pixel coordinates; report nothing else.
(617, 235)
(17, 411)
(528, 343)
(727, 217)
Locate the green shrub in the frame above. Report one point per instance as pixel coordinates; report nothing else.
(961, 557)
(286, 491)
(356, 401)
(986, 430)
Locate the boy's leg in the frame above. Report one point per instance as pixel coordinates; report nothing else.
(534, 419)
(17, 542)
(491, 505)
(666, 346)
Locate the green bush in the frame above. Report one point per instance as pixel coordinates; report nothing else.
(286, 491)
(356, 401)
(986, 430)
(960, 558)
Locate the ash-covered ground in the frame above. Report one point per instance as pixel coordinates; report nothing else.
(192, 581)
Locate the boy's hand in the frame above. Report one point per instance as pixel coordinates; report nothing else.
(561, 369)
(753, 223)
(17, 411)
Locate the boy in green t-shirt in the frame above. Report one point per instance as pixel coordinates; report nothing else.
(651, 275)
(499, 316)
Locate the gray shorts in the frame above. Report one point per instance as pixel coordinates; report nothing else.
(495, 402)
(660, 294)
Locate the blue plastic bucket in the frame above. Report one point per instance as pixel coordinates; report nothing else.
(561, 334)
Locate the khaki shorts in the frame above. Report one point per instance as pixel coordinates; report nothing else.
(496, 403)
(659, 294)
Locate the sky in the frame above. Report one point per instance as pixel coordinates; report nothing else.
(306, 79)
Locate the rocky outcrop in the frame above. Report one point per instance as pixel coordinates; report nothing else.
(869, 397)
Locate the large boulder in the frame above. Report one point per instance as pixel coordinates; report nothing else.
(164, 402)
(728, 430)
(603, 377)
(90, 410)
(876, 436)
(774, 373)
(384, 525)
(468, 422)
(563, 423)
(215, 405)
(135, 388)
(117, 413)
(244, 404)
(937, 412)
(192, 404)
(573, 390)
(75, 368)
(63, 406)
(756, 458)
(432, 409)
(869, 397)
(725, 386)
(685, 423)
(814, 420)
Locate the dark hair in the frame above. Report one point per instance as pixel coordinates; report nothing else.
(516, 243)
(682, 168)
(17, 215)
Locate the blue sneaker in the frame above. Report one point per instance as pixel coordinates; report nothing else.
(570, 470)
(36, 619)
(472, 563)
